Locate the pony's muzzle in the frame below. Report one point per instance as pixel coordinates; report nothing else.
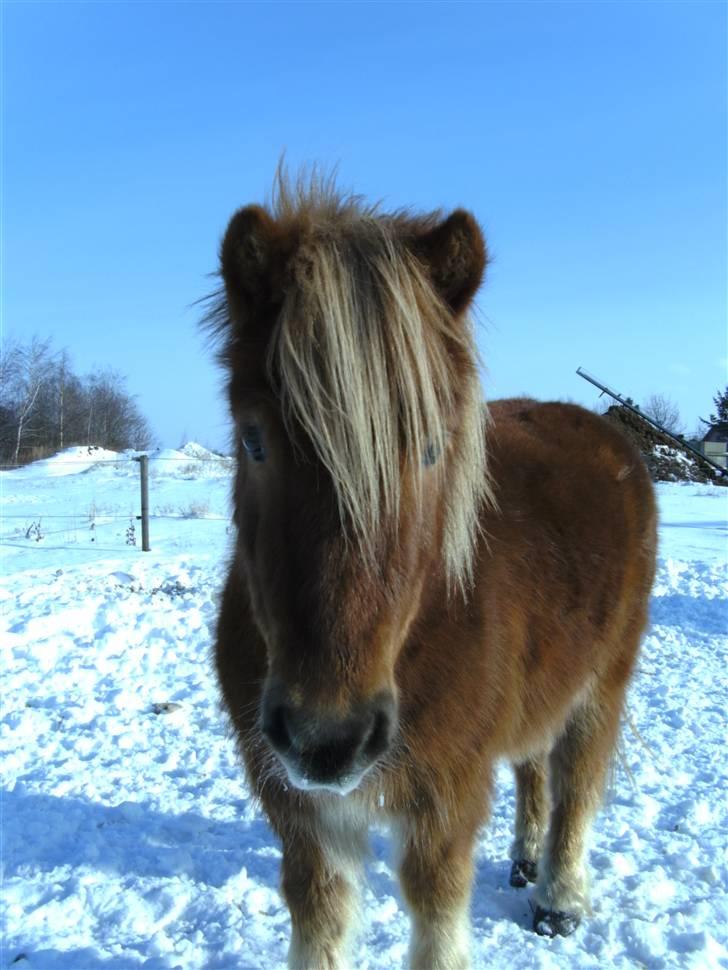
(326, 751)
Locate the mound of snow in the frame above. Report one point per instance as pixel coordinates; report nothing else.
(70, 461)
(168, 454)
(666, 460)
(192, 461)
(193, 450)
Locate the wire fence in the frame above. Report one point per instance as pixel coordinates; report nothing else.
(98, 501)
(92, 462)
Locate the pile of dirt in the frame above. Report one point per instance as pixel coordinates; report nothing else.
(666, 460)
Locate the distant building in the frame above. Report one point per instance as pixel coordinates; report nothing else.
(715, 443)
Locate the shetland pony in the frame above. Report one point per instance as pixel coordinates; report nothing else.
(419, 586)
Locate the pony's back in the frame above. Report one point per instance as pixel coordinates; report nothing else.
(567, 561)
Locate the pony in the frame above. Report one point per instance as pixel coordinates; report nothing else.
(420, 586)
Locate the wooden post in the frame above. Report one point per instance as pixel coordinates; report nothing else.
(144, 469)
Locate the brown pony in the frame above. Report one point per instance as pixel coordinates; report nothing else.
(398, 614)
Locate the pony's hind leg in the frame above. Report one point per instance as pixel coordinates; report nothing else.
(531, 819)
(578, 765)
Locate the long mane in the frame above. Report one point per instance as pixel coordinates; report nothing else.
(372, 366)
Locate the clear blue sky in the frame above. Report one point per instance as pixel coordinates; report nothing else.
(588, 138)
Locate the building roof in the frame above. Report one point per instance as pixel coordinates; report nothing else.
(717, 432)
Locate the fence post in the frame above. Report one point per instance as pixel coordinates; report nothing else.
(144, 469)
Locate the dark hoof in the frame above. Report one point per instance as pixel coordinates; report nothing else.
(551, 922)
(523, 871)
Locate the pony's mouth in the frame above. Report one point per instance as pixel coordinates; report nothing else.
(340, 786)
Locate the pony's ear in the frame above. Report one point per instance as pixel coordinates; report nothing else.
(249, 256)
(455, 255)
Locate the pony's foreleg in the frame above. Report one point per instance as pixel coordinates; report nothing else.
(578, 765)
(321, 894)
(436, 875)
(531, 819)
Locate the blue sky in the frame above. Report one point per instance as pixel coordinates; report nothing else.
(589, 139)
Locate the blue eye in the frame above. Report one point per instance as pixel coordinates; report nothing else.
(430, 454)
(252, 441)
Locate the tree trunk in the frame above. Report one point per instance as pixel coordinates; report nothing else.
(21, 419)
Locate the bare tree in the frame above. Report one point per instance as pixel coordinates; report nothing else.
(9, 380)
(62, 377)
(25, 372)
(663, 409)
(44, 406)
(114, 420)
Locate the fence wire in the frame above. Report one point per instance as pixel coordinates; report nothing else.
(93, 462)
(73, 497)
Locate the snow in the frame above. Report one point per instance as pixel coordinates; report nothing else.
(129, 839)
(72, 461)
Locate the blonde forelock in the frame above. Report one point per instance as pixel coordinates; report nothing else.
(371, 366)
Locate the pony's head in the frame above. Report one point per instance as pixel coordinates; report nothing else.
(361, 467)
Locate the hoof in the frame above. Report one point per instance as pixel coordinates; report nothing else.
(523, 871)
(551, 922)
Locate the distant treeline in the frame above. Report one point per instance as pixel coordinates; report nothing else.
(45, 406)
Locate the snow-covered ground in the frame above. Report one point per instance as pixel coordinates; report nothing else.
(128, 836)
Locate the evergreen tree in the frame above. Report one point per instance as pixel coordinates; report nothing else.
(720, 402)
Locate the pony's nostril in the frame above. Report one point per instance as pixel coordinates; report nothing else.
(276, 727)
(379, 735)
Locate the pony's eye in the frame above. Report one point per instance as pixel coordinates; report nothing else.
(252, 441)
(430, 454)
